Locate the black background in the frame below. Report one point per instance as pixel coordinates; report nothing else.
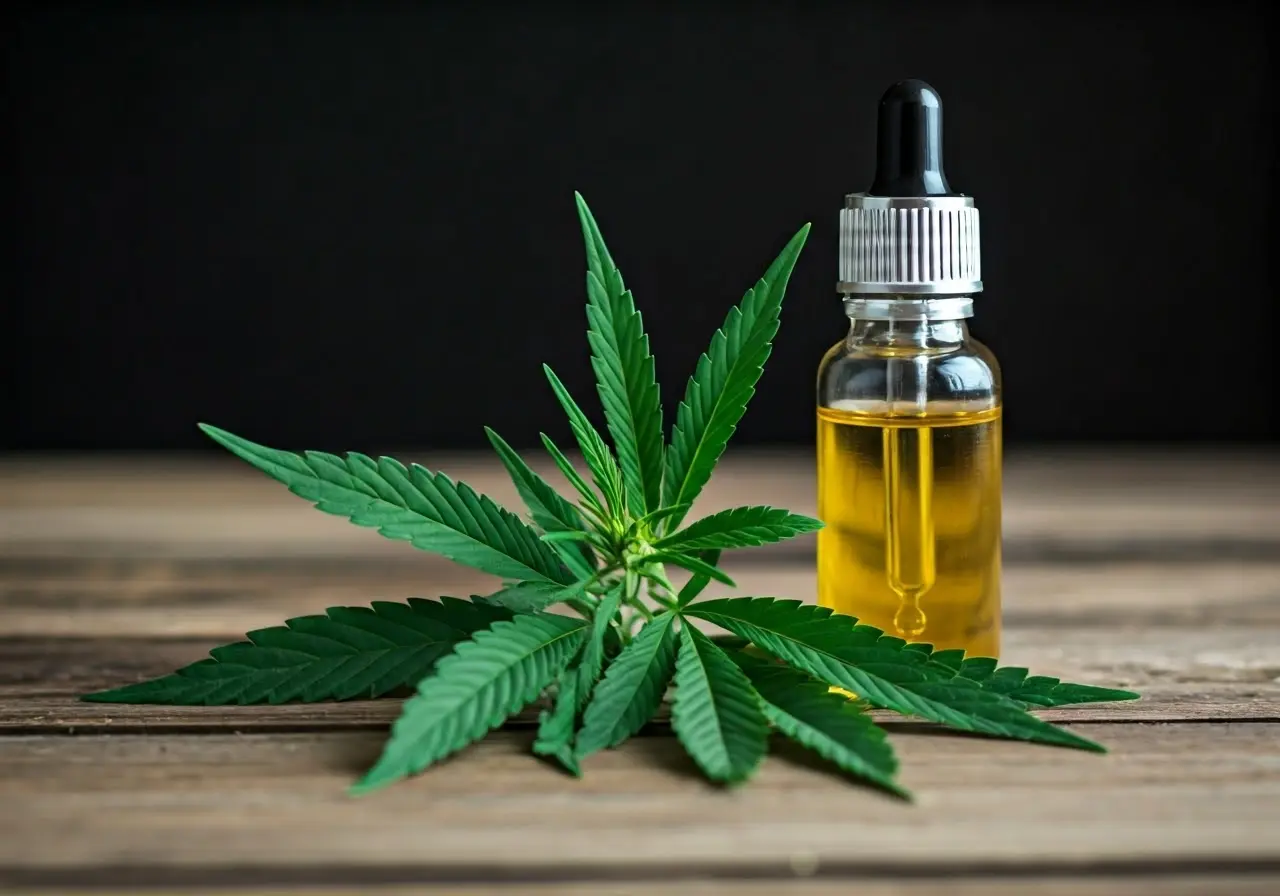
(352, 227)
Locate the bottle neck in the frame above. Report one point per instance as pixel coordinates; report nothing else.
(908, 321)
(916, 335)
(908, 308)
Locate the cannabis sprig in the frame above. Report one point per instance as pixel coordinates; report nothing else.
(632, 637)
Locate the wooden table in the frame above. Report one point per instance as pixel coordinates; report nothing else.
(1155, 572)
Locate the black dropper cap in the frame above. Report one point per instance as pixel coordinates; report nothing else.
(909, 142)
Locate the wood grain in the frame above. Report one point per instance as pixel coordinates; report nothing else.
(147, 596)
(1169, 792)
(1227, 672)
(1154, 571)
(215, 506)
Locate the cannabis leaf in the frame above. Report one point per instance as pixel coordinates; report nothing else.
(699, 581)
(556, 726)
(604, 469)
(593, 652)
(547, 508)
(530, 597)
(348, 652)
(556, 729)
(427, 509)
(589, 500)
(833, 726)
(859, 658)
(498, 672)
(741, 527)
(716, 713)
(605, 557)
(725, 380)
(1017, 684)
(632, 688)
(692, 563)
(624, 370)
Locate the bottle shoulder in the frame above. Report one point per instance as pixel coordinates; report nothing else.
(966, 371)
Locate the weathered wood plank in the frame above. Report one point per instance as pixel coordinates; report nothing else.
(1176, 794)
(1224, 672)
(224, 598)
(1160, 573)
(1212, 502)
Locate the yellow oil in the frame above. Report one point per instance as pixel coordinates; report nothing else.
(911, 504)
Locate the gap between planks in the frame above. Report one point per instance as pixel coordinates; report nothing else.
(1188, 878)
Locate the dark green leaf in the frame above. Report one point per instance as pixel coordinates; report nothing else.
(589, 497)
(833, 726)
(632, 688)
(566, 535)
(556, 726)
(598, 457)
(546, 506)
(731, 644)
(593, 651)
(624, 370)
(1015, 683)
(724, 382)
(497, 673)
(530, 597)
(412, 504)
(741, 527)
(695, 585)
(692, 564)
(650, 520)
(348, 653)
(860, 659)
(716, 713)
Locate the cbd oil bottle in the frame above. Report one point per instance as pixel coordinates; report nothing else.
(909, 450)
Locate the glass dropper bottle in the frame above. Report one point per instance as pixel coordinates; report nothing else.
(909, 442)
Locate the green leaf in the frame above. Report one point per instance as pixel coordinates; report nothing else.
(695, 585)
(566, 468)
(732, 645)
(861, 659)
(427, 509)
(716, 713)
(347, 653)
(1043, 690)
(556, 726)
(578, 558)
(632, 688)
(651, 519)
(546, 506)
(724, 382)
(741, 527)
(593, 651)
(497, 673)
(624, 369)
(1014, 682)
(692, 564)
(832, 726)
(565, 535)
(531, 597)
(598, 457)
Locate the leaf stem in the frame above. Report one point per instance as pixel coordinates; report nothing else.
(642, 610)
